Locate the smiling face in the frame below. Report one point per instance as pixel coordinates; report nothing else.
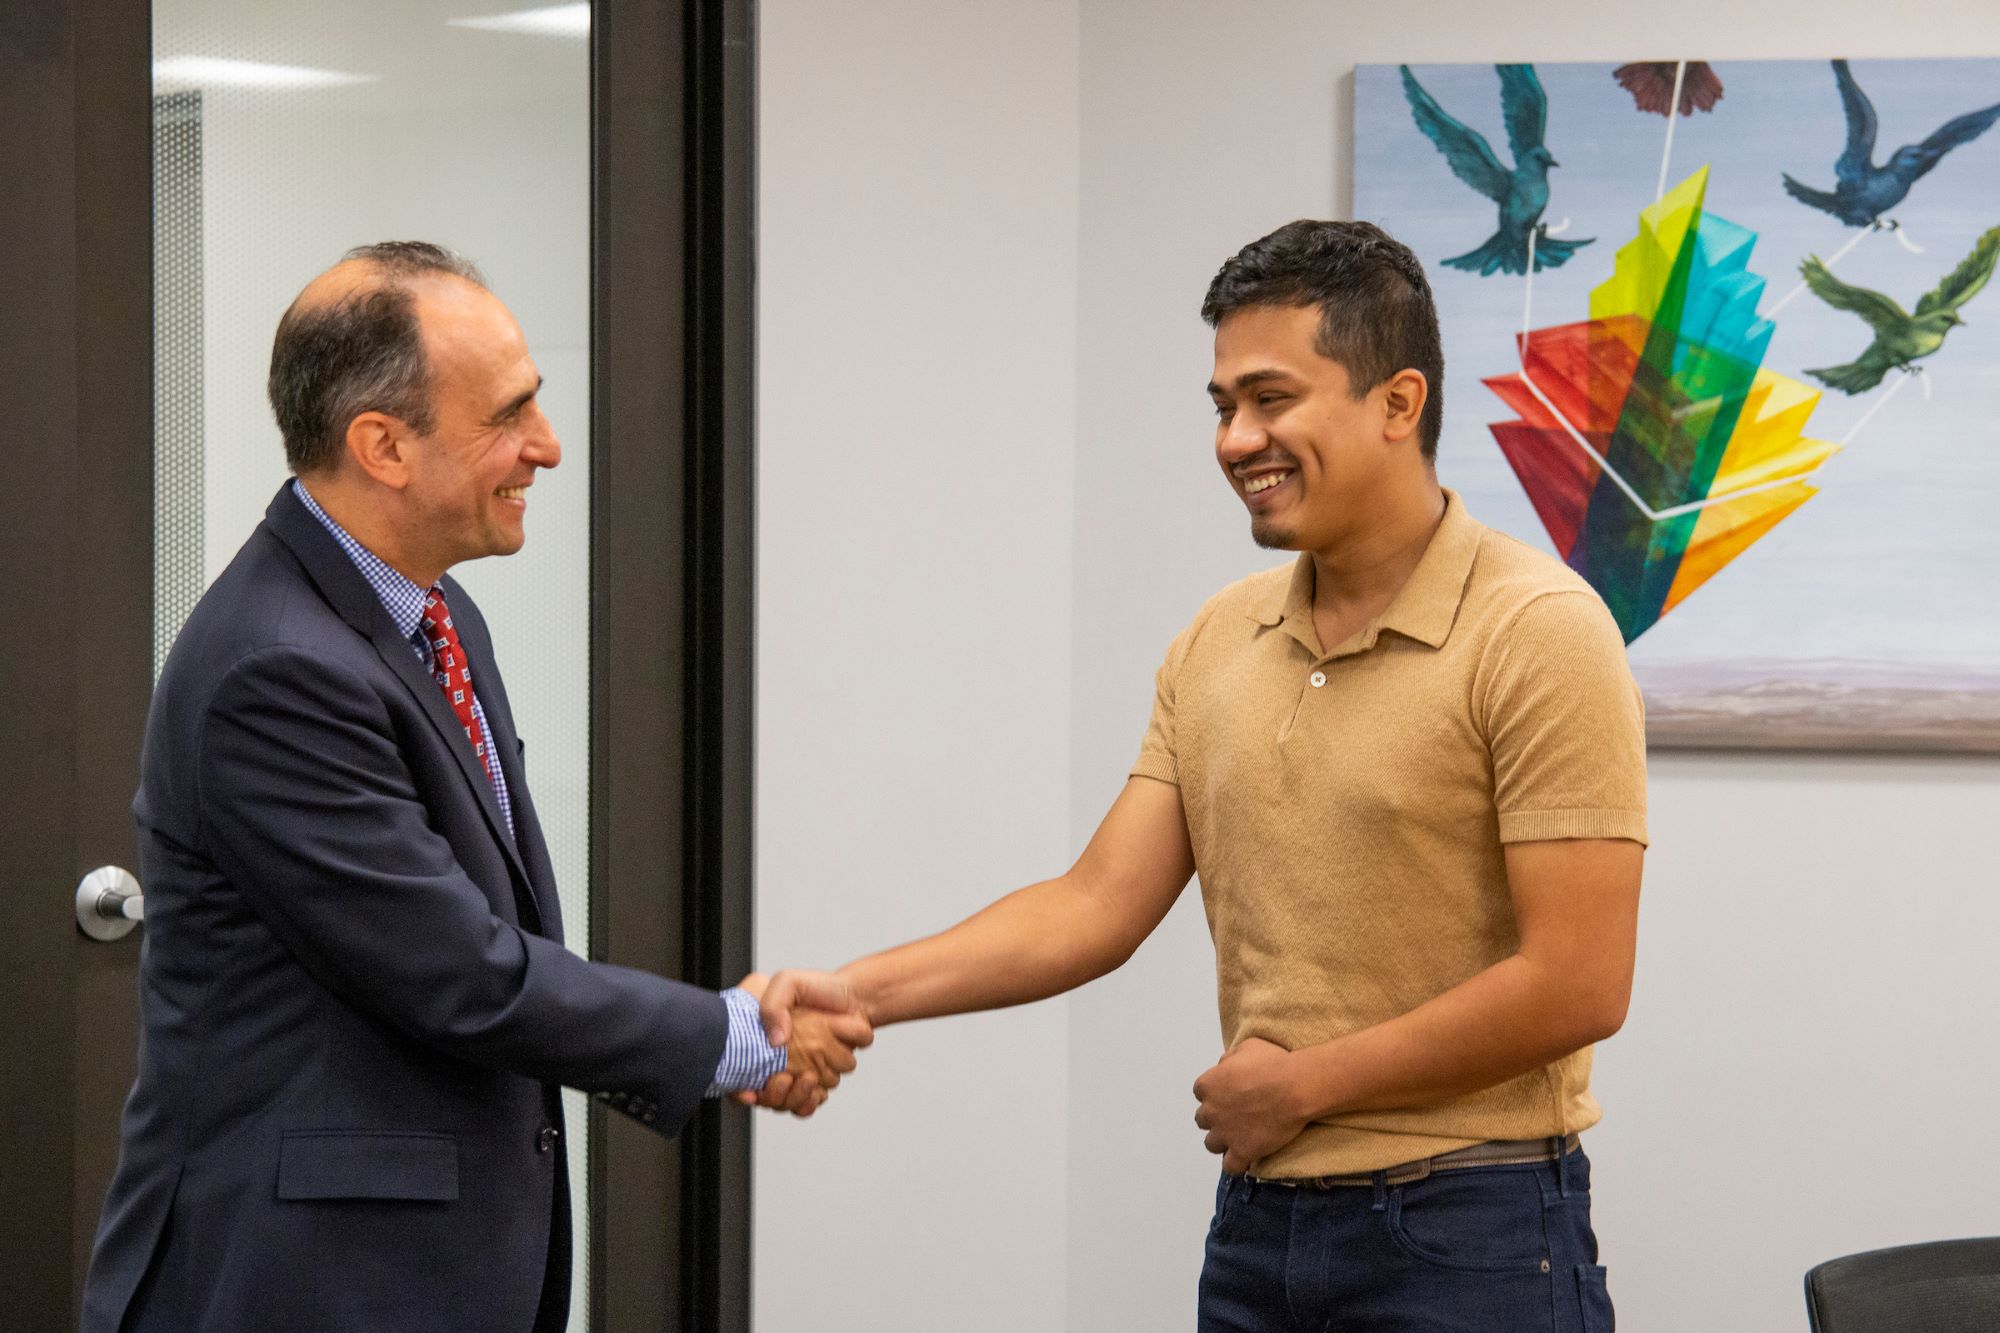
(468, 479)
(1301, 451)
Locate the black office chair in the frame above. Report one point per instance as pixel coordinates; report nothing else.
(1947, 1286)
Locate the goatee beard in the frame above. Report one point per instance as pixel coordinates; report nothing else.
(1269, 536)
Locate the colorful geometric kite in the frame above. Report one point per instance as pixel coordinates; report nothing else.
(1654, 445)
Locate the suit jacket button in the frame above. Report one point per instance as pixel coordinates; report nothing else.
(546, 1140)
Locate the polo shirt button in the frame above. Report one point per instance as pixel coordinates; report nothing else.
(1318, 679)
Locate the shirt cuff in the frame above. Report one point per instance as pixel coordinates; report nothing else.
(748, 1060)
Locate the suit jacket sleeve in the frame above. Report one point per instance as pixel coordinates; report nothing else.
(308, 805)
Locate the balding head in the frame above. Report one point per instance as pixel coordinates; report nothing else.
(351, 343)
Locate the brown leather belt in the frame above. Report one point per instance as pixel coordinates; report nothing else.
(1499, 1152)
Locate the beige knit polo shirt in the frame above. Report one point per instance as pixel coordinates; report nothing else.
(1348, 808)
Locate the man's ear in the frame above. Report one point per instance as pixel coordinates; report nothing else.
(379, 445)
(1403, 401)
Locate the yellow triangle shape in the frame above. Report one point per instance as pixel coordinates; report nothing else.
(1729, 529)
(1645, 263)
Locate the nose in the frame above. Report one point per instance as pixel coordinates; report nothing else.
(541, 448)
(1239, 438)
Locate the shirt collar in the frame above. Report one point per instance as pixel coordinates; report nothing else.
(402, 599)
(1423, 609)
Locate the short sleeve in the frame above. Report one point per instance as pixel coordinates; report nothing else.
(1156, 752)
(1158, 757)
(1565, 723)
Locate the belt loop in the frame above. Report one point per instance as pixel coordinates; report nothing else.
(1562, 1165)
(1381, 1191)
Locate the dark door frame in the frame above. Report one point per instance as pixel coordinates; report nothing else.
(671, 594)
(672, 302)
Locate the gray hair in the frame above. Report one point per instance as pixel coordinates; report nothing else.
(332, 361)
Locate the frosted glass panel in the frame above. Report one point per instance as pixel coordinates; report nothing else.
(179, 573)
(286, 134)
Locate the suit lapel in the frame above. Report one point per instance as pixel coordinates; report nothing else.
(401, 658)
(506, 747)
(348, 593)
(486, 683)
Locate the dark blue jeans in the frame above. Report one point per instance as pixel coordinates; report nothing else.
(1479, 1249)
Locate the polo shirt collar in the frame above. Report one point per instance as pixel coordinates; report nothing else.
(1293, 601)
(1423, 609)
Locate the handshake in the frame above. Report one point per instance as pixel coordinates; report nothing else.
(821, 1023)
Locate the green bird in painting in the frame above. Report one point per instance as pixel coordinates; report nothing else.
(1901, 339)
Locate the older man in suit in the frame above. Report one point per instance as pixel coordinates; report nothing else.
(357, 1008)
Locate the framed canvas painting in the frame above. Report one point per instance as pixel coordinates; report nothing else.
(1722, 336)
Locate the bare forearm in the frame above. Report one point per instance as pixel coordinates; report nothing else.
(1049, 937)
(1514, 1017)
(1036, 942)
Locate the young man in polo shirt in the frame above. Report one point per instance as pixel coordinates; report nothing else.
(1410, 770)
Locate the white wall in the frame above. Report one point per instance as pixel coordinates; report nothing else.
(916, 436)
(1806, 1071)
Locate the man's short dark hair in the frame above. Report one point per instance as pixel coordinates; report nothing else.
(1376, 314)
(334, 360)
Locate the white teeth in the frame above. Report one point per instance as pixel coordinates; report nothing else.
(1264, 483)
(511, 492)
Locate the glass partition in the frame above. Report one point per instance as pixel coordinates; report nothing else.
(285, 134)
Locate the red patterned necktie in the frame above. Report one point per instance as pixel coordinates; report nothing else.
(453, 675)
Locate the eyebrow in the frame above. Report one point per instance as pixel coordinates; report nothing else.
(1248, 379)
(514, 404)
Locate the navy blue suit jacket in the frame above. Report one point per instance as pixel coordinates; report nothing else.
(355, 1001)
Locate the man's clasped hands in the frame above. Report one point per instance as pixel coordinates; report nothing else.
(821, 1023)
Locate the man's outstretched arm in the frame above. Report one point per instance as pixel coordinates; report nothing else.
(1576, 906)
(1035, 942)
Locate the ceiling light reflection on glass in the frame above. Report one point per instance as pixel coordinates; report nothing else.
(183, 72)
(549, 21)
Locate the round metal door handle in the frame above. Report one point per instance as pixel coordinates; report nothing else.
(109, 904)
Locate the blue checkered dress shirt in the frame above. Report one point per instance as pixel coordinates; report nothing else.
(748, 1060)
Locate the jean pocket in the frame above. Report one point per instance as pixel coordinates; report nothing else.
(1224, 1190)
(1473, 1220)
(1594, 1297)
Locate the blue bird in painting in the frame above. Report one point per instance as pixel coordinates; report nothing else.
(1862, 191)
(1522, 193)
